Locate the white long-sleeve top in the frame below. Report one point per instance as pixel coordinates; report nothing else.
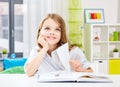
(53, 63)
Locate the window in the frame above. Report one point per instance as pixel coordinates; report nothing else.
(11, 26)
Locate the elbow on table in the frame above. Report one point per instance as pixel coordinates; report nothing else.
(29, 74)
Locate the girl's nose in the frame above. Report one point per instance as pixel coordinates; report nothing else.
(51, 32)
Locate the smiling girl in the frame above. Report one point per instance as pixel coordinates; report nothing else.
(44, 58)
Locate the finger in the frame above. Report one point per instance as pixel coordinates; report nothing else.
(76, 64)
(72, 62)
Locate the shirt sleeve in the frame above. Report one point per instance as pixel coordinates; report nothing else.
(32, 55)
(77, 53)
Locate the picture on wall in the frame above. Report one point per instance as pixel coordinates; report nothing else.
(94, 16)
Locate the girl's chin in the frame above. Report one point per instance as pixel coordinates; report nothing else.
(52, 43)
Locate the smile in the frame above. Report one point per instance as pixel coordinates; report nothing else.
(51, 37)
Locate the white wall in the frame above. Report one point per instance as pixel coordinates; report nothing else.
(110, 8)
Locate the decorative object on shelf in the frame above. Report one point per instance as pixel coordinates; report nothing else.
(4, 53)
(115, 53)
(115, 34)
(111, 38)
(97, 37)
(94, 16)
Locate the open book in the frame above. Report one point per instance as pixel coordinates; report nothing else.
(82, 77)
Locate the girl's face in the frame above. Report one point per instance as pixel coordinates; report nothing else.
(51, 32)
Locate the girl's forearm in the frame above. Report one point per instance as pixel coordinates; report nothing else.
(33, 66)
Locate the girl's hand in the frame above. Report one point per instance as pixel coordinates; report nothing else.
(76, 65)
(43, 42)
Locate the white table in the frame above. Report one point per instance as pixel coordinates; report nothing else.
(22, 80)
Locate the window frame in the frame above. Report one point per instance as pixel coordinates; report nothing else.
(11, 26)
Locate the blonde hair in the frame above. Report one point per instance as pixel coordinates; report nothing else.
(59, 20)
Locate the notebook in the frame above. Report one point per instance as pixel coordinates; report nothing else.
(81, 77)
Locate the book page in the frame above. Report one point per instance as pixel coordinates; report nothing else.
(94, 78)
(65, 76)
(57, 76)
(63, 53)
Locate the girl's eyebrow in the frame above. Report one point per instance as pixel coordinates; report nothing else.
(47, 26)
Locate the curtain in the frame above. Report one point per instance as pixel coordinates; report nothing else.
(34, 11)
(118, 16)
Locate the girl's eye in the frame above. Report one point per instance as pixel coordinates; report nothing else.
(47, 28)
(58, 29)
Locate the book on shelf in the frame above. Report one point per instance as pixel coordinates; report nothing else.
(80, 77)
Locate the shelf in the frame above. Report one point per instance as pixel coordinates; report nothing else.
(99, 42)
(100, 58)
(114, 42)
(103, 42)
(111, 58)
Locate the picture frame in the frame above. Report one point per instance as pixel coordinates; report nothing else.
(94, 16)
